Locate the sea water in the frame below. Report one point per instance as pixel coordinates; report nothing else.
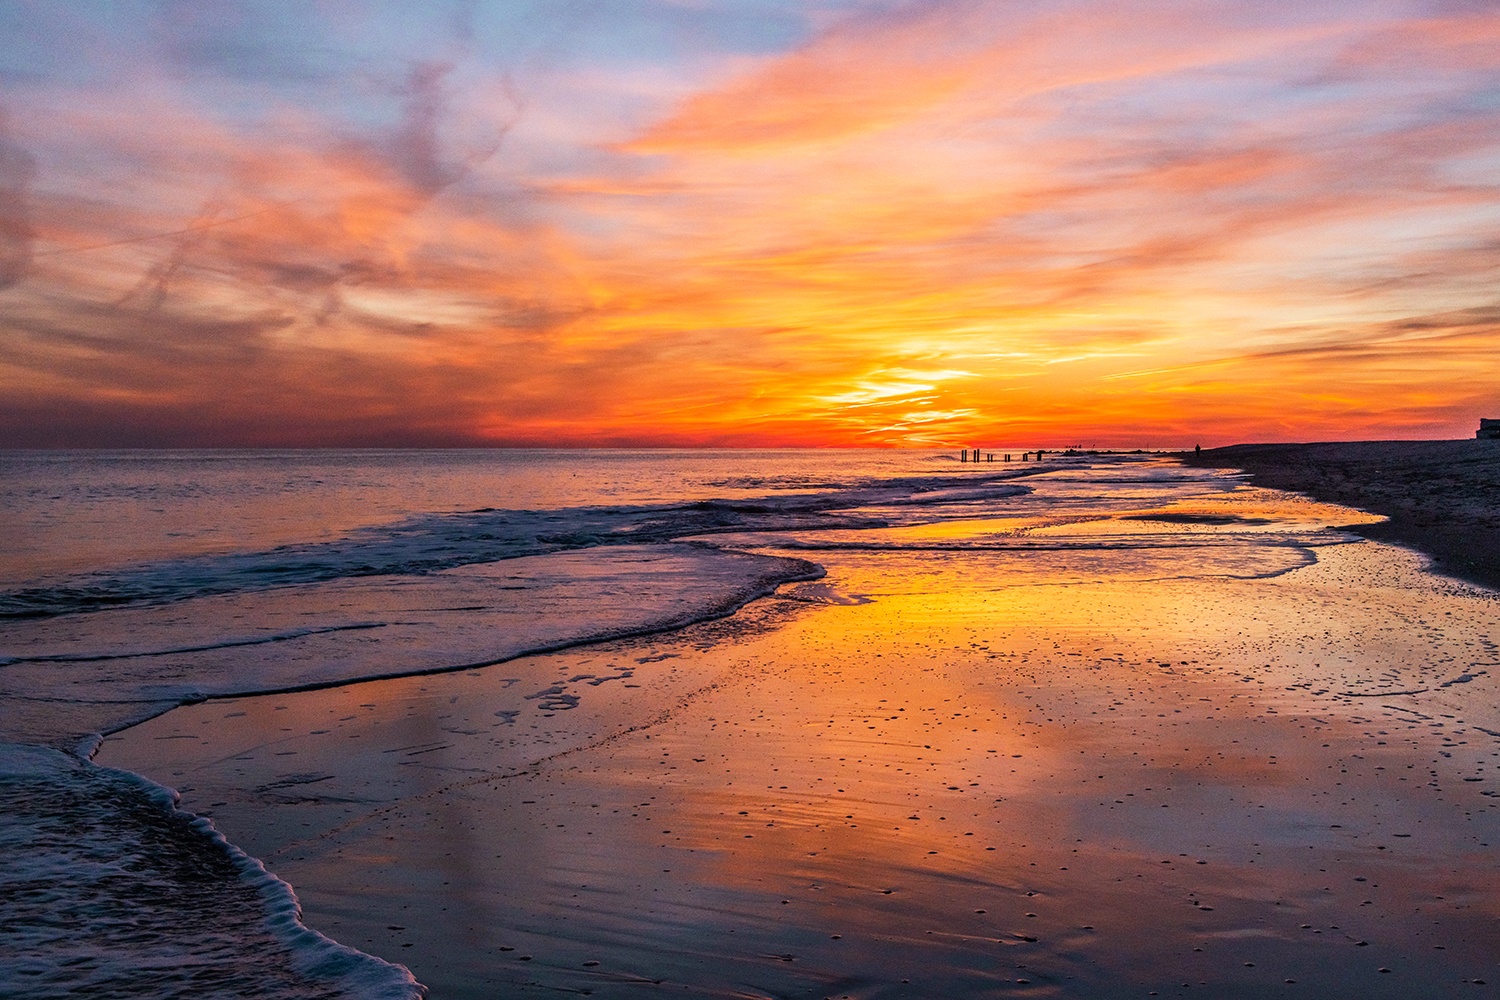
(133, 582)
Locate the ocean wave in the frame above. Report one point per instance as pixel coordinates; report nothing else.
(107, 888)
(440, 541)
(113, 669)
(229, 642)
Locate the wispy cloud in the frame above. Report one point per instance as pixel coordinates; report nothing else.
(864, 223)
(17, 168)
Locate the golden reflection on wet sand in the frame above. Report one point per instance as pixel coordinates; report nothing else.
(985, 773)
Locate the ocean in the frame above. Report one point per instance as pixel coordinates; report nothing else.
(134, 582)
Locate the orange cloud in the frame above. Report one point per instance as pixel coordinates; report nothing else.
(944, 225)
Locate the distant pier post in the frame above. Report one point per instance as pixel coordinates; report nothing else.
(963, 456)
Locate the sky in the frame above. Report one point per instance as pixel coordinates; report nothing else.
(939, 223)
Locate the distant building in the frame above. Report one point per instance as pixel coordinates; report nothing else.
(1489, 430)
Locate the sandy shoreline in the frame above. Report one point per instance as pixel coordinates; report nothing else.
(929, 775)
(1442, 497)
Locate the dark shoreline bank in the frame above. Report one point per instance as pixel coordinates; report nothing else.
(1442, 497)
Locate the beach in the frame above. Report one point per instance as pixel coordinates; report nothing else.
(1440, 496)
(932, 794)
(1104, 726)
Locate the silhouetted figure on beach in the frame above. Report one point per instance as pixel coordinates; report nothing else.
(1197, 449)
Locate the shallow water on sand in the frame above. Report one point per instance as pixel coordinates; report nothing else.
(132, 582)
(1139, 731)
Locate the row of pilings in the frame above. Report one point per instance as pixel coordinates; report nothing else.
(976, 456)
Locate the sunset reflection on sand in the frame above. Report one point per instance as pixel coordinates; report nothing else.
(935, 773)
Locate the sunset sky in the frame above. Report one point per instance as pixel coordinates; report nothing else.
(748, 222)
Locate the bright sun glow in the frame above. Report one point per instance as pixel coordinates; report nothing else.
(840, 224)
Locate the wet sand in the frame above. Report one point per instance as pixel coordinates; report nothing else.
(932, 774)
(1442, 497)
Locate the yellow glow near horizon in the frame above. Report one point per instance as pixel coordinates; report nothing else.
(928, 227)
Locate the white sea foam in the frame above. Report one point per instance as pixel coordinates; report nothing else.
(67, 676)
(108, 889)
